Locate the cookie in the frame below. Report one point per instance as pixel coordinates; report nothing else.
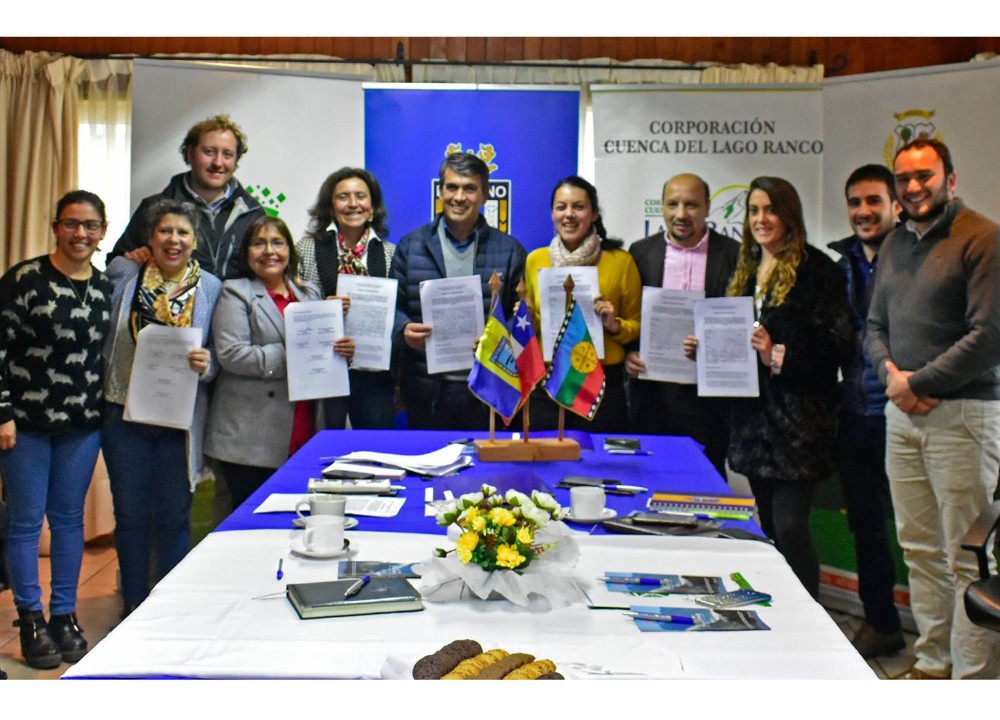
(532, 670)
(551, 676)
(433, 666)
(507, 665)
(468, 669)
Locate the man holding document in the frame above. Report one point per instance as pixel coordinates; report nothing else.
(457, 244)
(687, 256)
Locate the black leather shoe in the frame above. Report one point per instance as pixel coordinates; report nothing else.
(39, 649)
(68, 636)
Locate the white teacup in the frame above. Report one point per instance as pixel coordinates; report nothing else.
(586, 501)
(324, 533)
(322, 504)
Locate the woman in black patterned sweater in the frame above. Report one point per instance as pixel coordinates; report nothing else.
(54, 314)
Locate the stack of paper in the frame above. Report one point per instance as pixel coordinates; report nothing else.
(445, 461)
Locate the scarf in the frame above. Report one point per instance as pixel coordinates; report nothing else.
(160, 302)
(349, 260)
(588, 252)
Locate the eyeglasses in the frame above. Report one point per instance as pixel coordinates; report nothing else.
(91, 226)
(277, 245)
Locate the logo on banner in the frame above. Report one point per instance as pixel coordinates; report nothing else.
(497, 208)
(270, 201)
(910, 125)
(725, 214)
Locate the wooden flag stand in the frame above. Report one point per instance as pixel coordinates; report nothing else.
(527, 449)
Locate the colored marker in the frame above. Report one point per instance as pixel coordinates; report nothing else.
(281, 573)
(658, 617)
(356, 587)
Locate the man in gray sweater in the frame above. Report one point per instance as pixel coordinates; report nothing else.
(934, 338)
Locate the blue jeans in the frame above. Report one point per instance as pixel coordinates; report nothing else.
(148, 469)
(47, 476)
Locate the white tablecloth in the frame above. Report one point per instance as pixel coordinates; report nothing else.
(201, 620)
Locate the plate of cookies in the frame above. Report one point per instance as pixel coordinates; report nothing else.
(466, 660)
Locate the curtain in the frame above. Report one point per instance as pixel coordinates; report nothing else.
(39, 101)
(104, 148)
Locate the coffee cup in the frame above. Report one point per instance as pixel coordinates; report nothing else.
(322, 504)
(586, 501)
(323, 534)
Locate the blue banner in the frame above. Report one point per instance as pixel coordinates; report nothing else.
(529, 138)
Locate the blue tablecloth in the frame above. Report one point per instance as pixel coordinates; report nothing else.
(674, 463)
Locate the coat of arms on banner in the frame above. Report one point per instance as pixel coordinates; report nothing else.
(497, 207)
(910, 125)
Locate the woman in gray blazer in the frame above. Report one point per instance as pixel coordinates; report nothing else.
(252, 425)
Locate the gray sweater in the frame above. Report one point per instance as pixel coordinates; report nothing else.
(936, 306)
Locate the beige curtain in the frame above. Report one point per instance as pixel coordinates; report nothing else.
(38, 97)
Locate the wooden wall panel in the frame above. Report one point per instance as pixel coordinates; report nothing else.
(841, 56)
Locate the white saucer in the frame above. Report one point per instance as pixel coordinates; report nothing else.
(299, 548)
(349, 522)
(606, 514)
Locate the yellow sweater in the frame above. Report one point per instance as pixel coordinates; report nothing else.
(619, 282)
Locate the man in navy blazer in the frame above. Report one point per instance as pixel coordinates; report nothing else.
(457, 243)
(688, 255)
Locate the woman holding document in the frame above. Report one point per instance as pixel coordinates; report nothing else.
(345, 237)
(153, 469)
(252, 426)
(581, 240)
(783, 439)
(53, 319)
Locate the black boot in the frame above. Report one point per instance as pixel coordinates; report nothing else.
(39, 649)
(68, 636)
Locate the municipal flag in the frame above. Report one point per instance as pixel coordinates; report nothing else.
(493, 378)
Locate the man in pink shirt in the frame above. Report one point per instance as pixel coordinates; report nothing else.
(688, 255)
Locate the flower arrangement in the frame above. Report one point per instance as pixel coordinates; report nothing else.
(499, 531)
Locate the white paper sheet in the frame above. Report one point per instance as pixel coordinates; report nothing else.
(162, 386)
(667, 318)
(314, 369)
(552, 297)
(727, 365)
(366, 505)
(369, 319)
(453, 307)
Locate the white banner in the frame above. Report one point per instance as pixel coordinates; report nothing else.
(867, 118)
(299, 129)
(728, 135)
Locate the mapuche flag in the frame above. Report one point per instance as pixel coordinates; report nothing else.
(493, 378)
(576, 378)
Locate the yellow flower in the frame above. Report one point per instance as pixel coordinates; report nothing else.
(479, 524)
(502, 517)
(466, 544)
(508, 557)
(524, 535)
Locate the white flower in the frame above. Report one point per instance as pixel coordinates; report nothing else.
(517, 498)
(447, 514)
(471, 499)
(535, 515)
(544, 501)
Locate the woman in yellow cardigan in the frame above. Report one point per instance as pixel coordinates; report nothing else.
(582, 240)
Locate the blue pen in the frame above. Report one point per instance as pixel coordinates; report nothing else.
(280, 574)
(657, 617)
(633, 580)
(356, 587)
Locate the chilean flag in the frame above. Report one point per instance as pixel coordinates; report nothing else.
(527, 352)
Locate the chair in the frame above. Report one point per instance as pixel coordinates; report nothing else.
(982, 597)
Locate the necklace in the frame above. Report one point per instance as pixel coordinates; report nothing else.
(86, 290)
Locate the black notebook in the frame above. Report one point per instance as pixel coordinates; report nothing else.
(380, 595)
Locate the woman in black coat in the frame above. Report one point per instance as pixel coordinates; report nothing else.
(783, 440)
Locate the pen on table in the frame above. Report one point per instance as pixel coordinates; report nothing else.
(281, 573)
(633, 580)
(629, 452)
(659, 617)
(627, 488)
(356, 587)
